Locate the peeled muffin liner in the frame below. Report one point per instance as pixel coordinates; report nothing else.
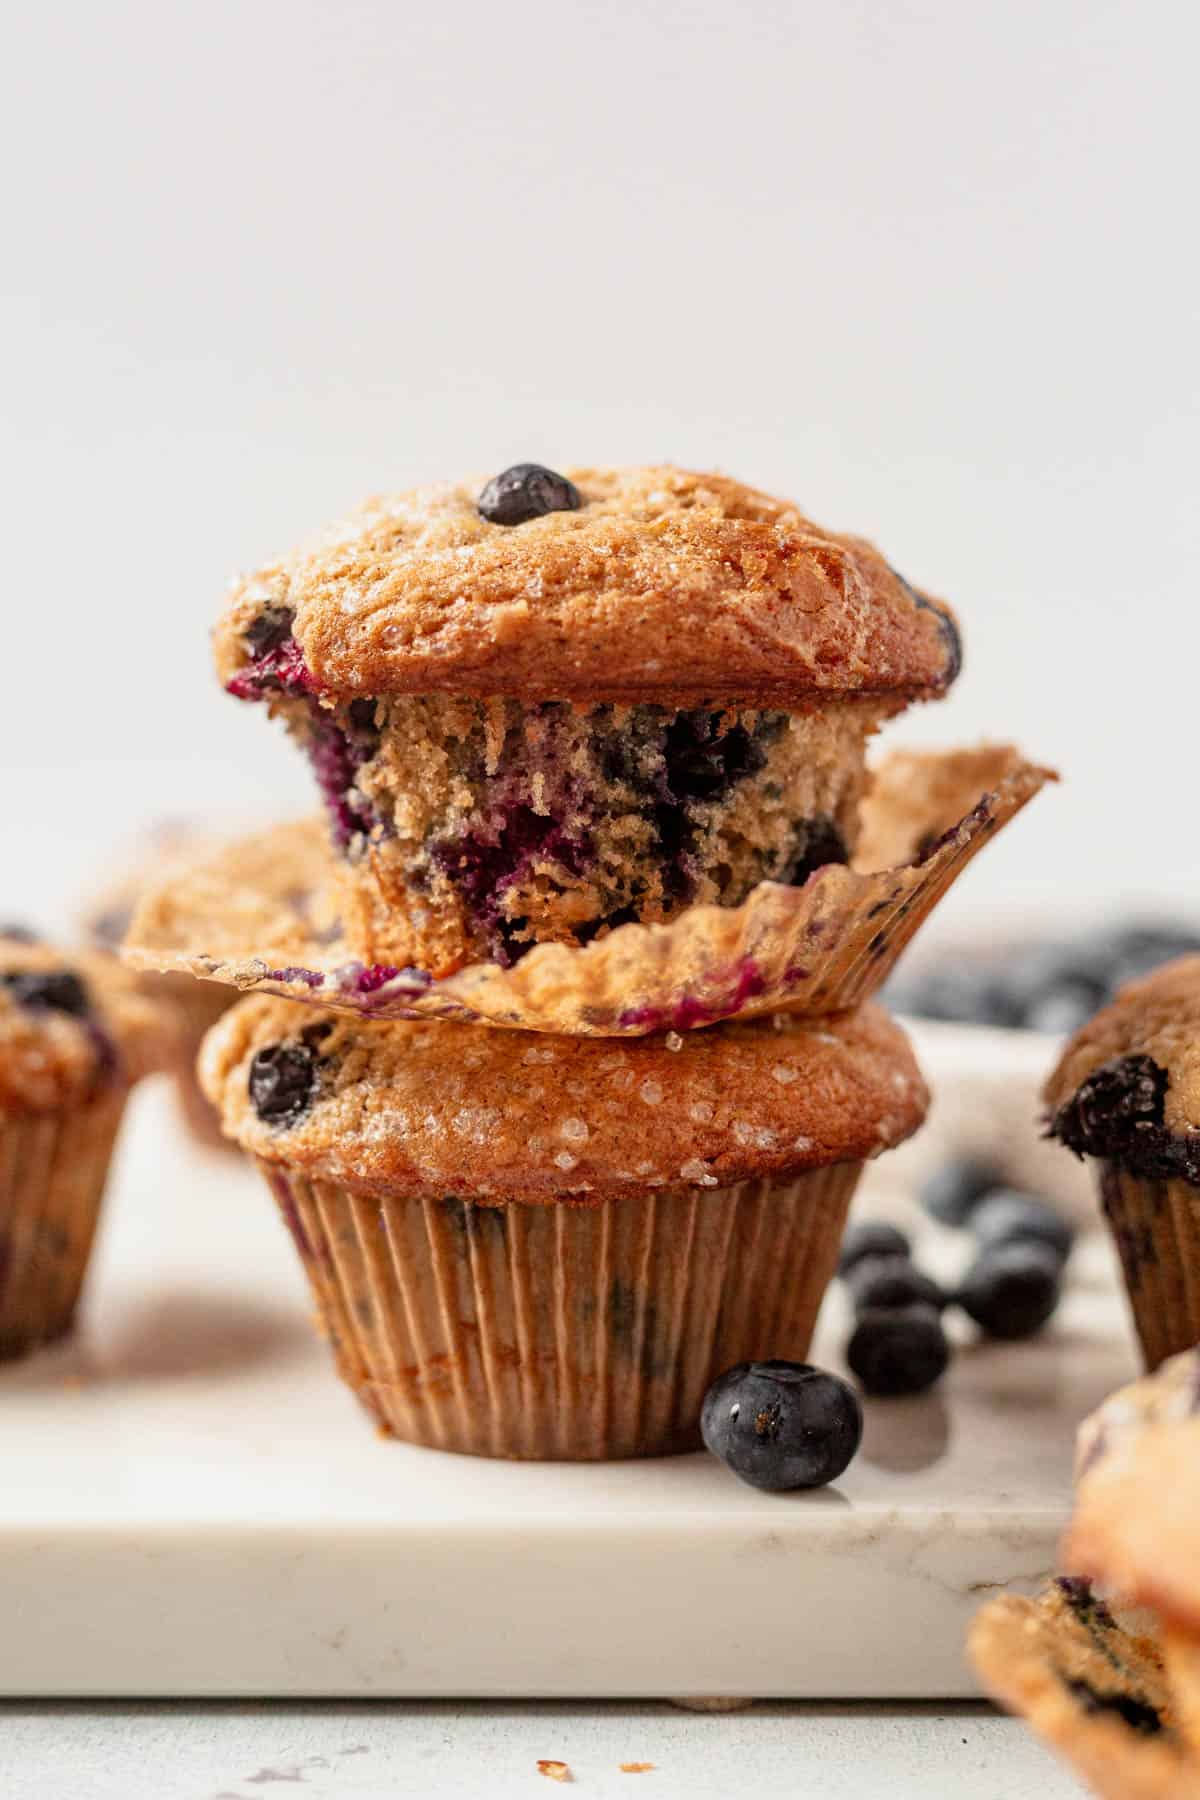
(1156, 1229)
(262, 915)
(53, 1168)
(562, 1332)
(1092, 1688)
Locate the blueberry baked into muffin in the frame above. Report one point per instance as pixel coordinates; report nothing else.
(544, 705)
(75, 1034)
(1126, 1093)
(532, 1246)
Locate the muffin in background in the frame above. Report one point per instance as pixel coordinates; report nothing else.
(196, 1005)
(1126, 1093)
(543, 706)
(1105, 1662)
(75, 1033)
(542, 1247)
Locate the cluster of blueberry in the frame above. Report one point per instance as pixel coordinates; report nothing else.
(782, 1425)
(1045, 985)
(1010, 1290)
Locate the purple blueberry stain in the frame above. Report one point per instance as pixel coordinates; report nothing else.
(276, 664)
(296, 976)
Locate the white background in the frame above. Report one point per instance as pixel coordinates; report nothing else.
(929, 268)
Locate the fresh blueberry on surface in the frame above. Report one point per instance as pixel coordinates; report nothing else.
(871, 1237)
(782, 1425)
(1063, 1008)
(898, 1350)
(960, 989)
(1008, 1217)
(527, 491)
(281, 1083)
(53, 990)
(891, 1282)
(1012, 1289)
(955, 1188)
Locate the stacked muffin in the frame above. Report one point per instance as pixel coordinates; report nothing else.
(571, 732)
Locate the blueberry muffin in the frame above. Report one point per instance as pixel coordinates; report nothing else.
(545, 705)
(544, 1247)
(1093, 1687)
(1127, 1094)
(75, 1034)
(195, 1006)
(1134, 1528)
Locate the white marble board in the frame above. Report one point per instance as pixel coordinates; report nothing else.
(191, 1504)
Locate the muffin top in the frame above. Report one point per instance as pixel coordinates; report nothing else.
(1128, 1085)
(1138, 1472)
(625, 585)
(436, 1109)
(70, 1022)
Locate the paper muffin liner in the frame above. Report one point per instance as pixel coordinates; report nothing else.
(1156, 1229)
(262, 915)
(53, 1167)
(561, 1332)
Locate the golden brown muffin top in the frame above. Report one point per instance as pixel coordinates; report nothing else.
(1128, 1084)
(661, 586)
(70, 1021)
(433, 1109)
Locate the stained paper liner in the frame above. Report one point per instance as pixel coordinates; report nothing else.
(262, 915)
(560, 1332)
(1156, 1228)
(53, 1167)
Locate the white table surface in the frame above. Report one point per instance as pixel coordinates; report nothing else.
(222, 1750)
(394, 1750)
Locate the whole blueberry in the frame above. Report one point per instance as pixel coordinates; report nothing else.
(782, 1425)
(527, 491)
(281, 1082)
(872, 1237)
(891, 1282)
(54, 990)
(1011, 1289)
(955, 1188)
(959, 989)
(898, 1350)
(1063, 1008)
(1008, 1217)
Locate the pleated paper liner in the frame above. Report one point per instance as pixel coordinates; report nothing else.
(1156, 1229)
(53, 1168)
(261, 915)
(562, 1332)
